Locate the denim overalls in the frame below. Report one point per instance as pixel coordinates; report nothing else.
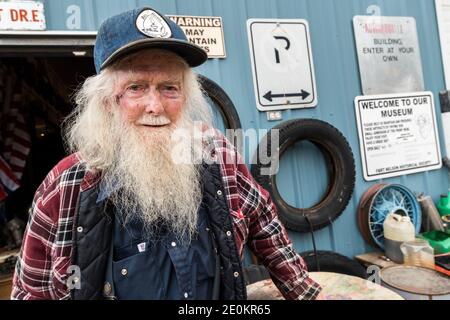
(161, 267)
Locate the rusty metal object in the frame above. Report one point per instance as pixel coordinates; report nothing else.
(431, 219)
(364, 211)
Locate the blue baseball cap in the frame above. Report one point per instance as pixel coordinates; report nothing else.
(139, 29)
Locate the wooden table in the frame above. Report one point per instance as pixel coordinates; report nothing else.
(377, 259)
(335, 286)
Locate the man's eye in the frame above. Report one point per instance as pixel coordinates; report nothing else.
(136, 88)
(170, 90)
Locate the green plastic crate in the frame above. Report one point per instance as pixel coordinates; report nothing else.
(440, 241)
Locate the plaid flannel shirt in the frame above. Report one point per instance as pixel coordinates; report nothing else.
(42, 266)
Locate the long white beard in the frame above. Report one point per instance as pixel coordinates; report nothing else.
(150, 185)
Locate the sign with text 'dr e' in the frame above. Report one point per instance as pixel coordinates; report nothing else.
(282, 64)
(397, 134)
(22, 15)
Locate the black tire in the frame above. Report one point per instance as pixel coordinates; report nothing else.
(254, 273)
(340, 165)
(330, 261)
(226, 107)
(222, 100)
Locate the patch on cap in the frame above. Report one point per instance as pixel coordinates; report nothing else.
(153, 25)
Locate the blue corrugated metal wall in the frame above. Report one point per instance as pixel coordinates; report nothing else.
(337, 79)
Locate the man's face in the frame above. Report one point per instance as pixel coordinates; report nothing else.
(150, 91)
(153, 186)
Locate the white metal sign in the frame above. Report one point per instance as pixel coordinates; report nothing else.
(388, 54)
(443, 14)
(22, 15)
(397, 134)
(282, 64)
(207, 32)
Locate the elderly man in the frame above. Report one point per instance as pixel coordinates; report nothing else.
(125, 216)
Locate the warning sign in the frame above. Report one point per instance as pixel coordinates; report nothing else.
(206, 32)
(22, 15)
(397, 134)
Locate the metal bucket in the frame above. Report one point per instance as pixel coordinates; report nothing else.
(416, 283)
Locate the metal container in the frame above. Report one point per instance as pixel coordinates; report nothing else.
(415, 283)
(431, 219)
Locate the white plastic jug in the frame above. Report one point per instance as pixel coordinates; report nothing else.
(397, 229)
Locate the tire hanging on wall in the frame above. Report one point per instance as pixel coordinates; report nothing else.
(222, 100)
(226, 107)
(330, 261)
(340, 165)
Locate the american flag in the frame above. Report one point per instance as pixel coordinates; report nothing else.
(17, 142)
(8, 180)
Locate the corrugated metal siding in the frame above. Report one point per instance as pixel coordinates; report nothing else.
(337, 78)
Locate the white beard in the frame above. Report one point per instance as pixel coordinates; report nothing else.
(150, 185)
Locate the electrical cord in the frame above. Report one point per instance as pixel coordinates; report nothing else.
(314, 242)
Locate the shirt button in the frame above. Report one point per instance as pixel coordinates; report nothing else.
(186, 295)
(124, 272)
(219, 192)
(229, 233)
(76, 280)
(236, 274)
(80, 229)
(174, 244)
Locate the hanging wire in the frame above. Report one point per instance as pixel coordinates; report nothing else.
(314, 242)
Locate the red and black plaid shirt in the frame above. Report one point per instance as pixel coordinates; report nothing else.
(41, 270)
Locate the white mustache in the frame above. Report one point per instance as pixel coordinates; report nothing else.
(149, 120)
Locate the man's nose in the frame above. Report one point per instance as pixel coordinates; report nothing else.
(153, 103)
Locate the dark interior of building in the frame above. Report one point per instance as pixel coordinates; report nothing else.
(36, 94)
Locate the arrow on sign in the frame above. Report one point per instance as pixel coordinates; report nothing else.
(269, 96)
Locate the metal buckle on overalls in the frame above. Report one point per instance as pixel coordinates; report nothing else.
(107, 290)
